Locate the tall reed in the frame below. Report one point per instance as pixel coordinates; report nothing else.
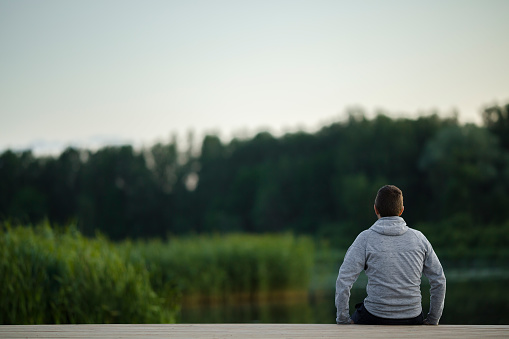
(49, 276)
(59, 276)
(229, 266)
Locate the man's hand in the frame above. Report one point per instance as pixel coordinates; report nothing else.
(348, 323)
(426, 322)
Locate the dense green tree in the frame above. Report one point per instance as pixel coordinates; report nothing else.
(21, 196)
(59, 179)
(468, 174)
(321, 183)
(118, 195)
(496, 119)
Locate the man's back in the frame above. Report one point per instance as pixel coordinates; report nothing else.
(394, 257)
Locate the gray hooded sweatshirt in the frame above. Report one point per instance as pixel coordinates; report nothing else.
(394, 258)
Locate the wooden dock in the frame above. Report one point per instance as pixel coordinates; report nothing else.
(265, 331)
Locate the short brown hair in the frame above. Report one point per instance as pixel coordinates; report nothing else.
(389, 201)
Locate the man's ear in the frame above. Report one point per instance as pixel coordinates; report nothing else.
(376, 211)
(400, 213)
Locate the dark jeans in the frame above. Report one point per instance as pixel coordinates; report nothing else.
(363, 317)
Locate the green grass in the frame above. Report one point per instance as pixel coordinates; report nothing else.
(228, 266)
(50, 276)
(59, 276)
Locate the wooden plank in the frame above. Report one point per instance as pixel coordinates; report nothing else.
(266, 331)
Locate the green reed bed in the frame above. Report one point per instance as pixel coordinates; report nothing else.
(59, 276)
(49, 276)
(228, 266)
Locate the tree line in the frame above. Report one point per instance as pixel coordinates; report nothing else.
(321, 183)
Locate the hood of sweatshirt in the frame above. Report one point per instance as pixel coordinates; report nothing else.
(390, 226)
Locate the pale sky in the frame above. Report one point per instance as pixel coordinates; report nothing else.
(84, 72)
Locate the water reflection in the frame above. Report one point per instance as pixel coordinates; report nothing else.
(470, 301)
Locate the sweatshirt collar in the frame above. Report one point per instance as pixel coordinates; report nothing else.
(390, 226)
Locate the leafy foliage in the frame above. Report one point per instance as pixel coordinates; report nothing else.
(57, 277)
(223, 267)
(322, 183)
(51, 276)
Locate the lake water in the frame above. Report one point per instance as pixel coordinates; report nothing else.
(472, 298)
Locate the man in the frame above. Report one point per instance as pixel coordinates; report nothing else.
(394, 257)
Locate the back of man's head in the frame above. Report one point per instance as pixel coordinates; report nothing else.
(389, 201)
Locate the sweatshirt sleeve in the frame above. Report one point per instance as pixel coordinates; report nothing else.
(434, 272)
(352, 266)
